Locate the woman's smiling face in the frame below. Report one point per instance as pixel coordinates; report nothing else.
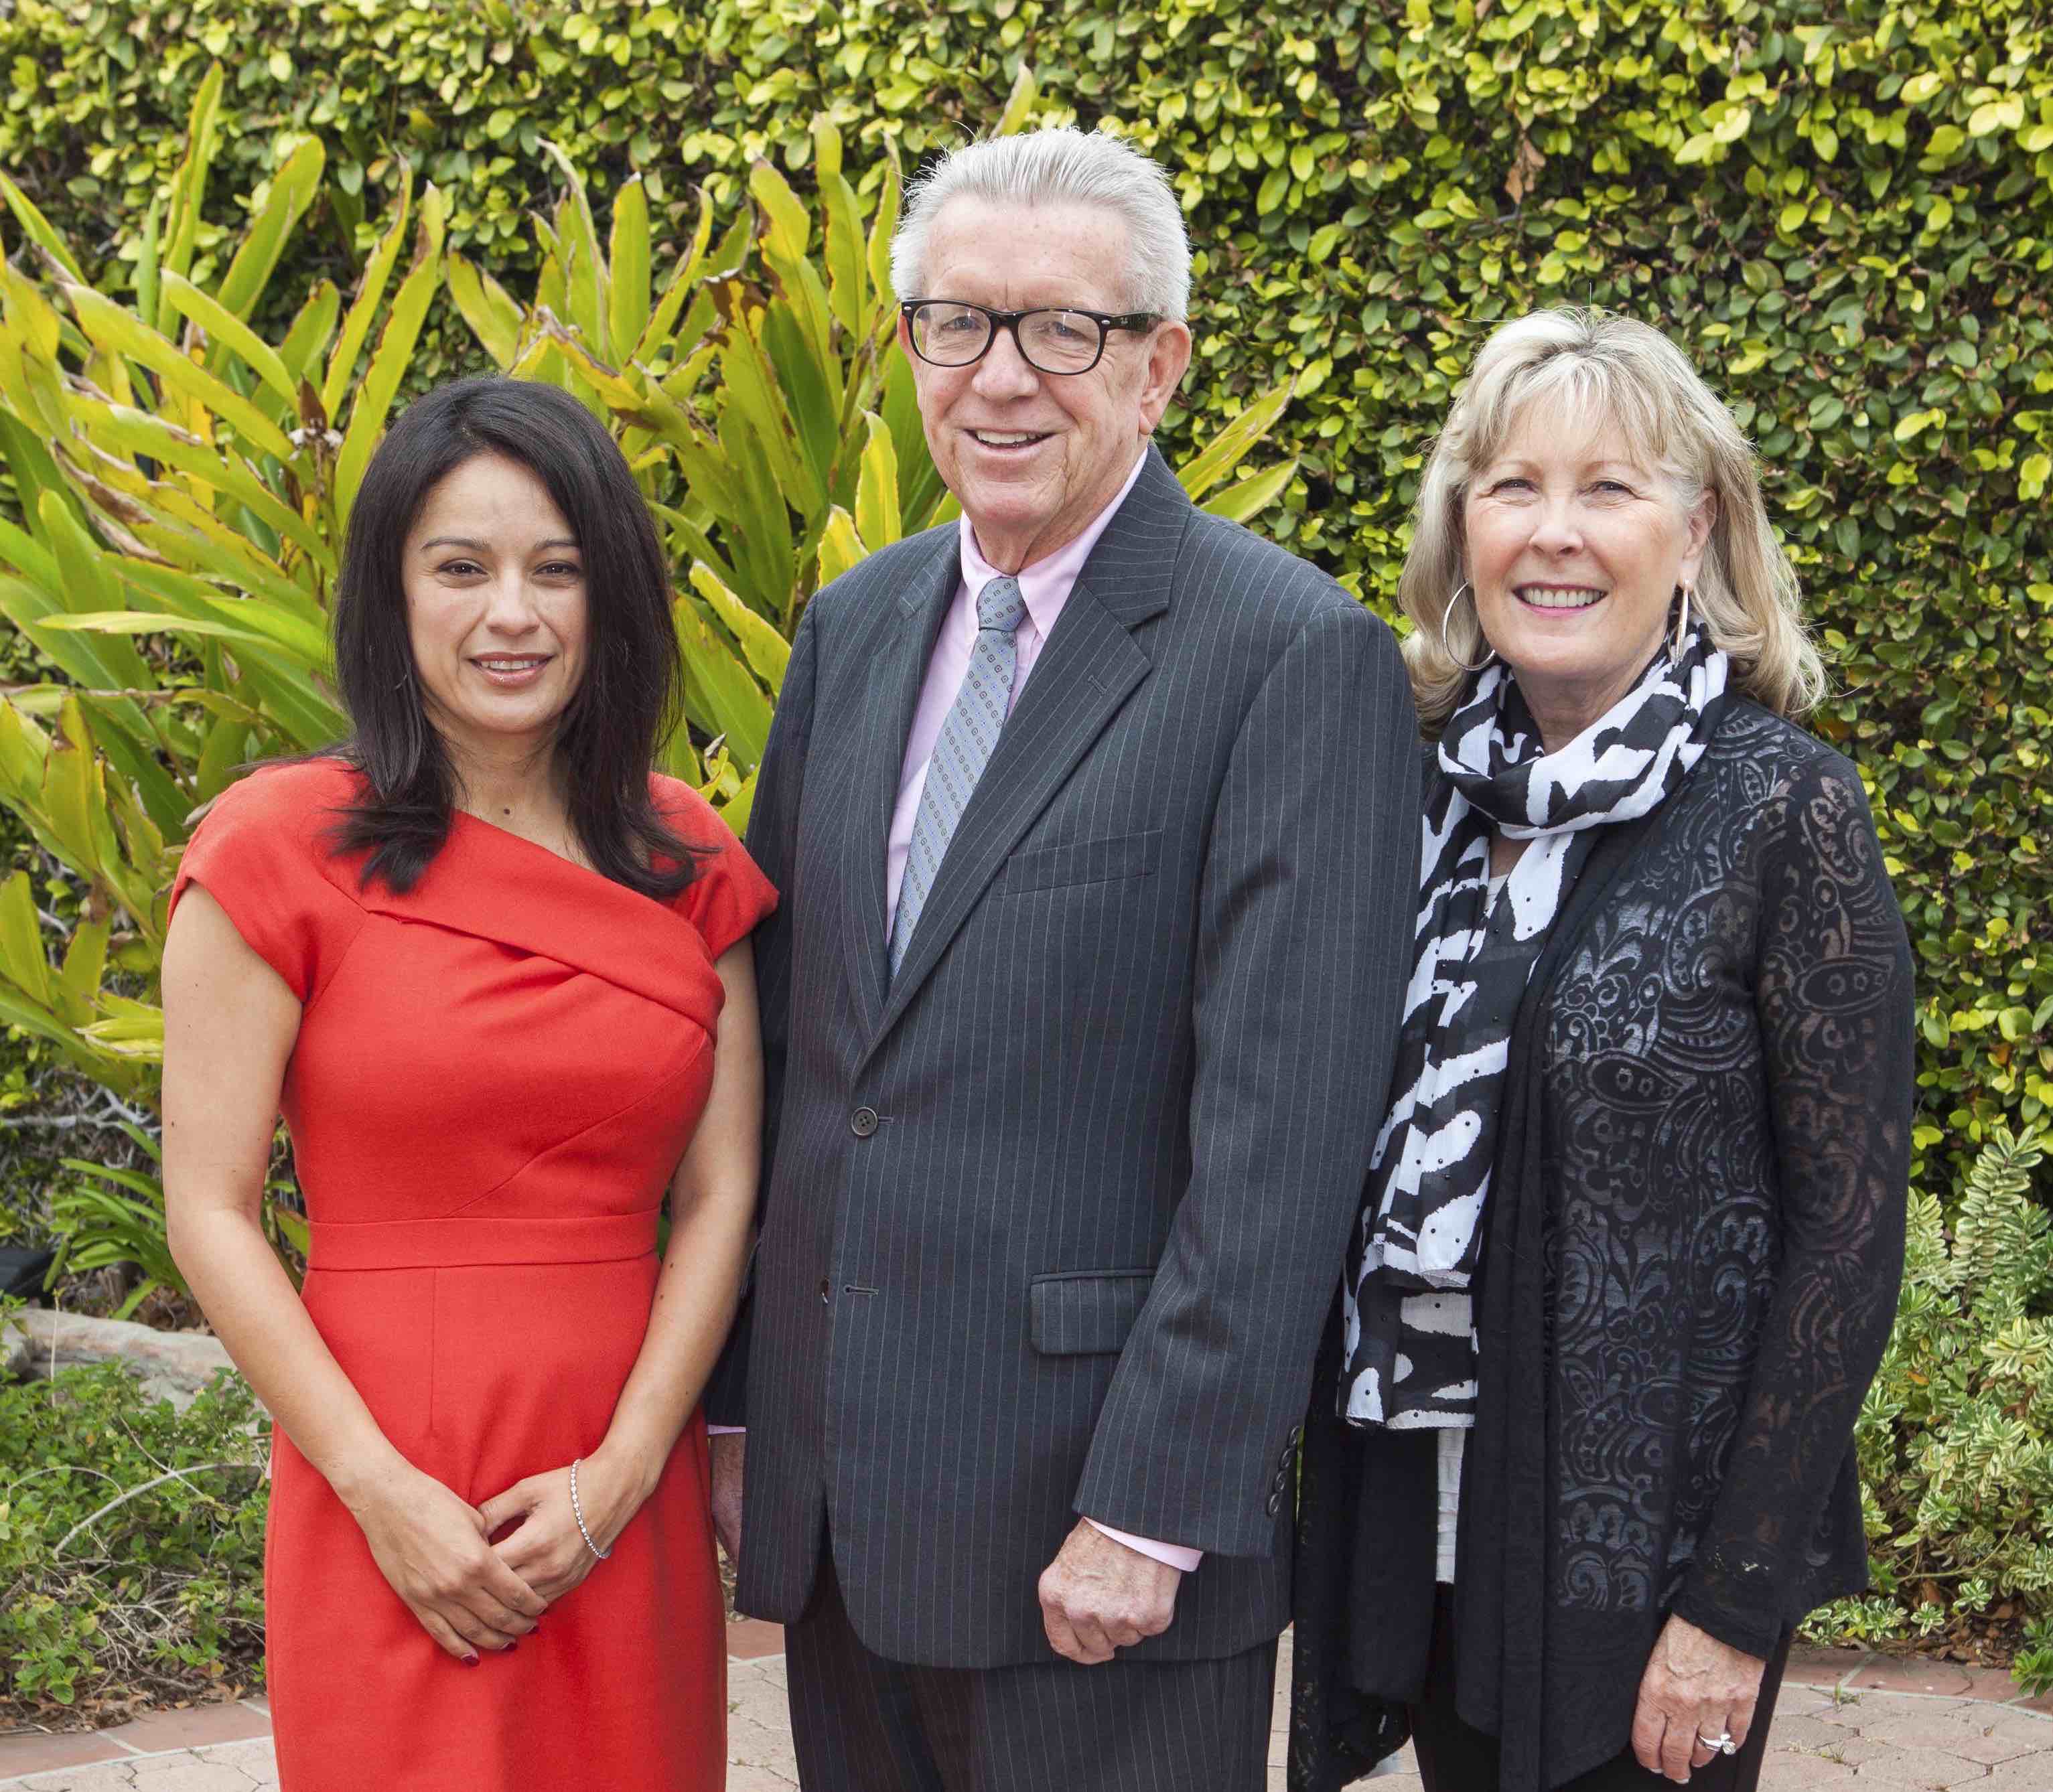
(496, 607)
(1574, 546)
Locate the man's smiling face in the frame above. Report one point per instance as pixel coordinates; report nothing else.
(1033, 456)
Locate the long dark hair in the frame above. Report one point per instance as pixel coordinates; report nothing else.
(606, 740)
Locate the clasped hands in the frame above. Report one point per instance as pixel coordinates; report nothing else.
(469, 1593)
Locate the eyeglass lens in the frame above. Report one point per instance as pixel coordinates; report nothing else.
(1057, 342)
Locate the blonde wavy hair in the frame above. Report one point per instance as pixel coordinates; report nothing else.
(1593, 366)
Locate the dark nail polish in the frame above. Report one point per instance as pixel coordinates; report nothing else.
(469, 1660)
(511, 1647)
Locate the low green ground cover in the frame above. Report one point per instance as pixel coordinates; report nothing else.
(131, 1544)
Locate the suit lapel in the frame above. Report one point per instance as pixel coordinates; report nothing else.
(1088, 670)
(897, 668)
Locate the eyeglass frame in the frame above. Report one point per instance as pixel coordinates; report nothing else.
(1009, 322)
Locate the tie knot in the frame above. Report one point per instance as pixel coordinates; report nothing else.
(999, 605)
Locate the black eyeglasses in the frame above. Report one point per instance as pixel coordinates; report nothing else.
(1055, 341)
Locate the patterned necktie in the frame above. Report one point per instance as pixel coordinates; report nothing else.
(967, 740)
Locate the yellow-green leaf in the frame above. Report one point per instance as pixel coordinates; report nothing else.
(122, 333)
(229, 331)
(21, 957)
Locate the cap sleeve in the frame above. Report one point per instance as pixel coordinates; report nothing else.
(258, 854)
(728, 895)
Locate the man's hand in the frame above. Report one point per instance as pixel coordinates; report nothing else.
(1098, 1595)
(729, 1451)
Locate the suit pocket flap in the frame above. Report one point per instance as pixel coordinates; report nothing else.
(1083, 862)
(1082, 1312)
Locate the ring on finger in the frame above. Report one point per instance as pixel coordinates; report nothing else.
(1722, 1743)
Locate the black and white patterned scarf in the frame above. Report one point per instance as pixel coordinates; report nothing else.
(1410, 1347)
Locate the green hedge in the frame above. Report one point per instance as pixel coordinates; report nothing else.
(1843, 213)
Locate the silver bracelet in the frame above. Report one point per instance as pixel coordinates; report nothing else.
(577, 1512)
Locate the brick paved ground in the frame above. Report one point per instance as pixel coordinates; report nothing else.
(1857, 1722)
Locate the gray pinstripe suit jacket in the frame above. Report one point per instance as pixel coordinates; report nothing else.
(1052, 1220)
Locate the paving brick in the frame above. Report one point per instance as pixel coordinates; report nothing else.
(2033, 1772)
(1947, 1679)
(38, 1751)
(115, 1777)
(1925, 1769)
(1804, 1773)
(1967, 1731)
(193, 1727)
(750, 1638)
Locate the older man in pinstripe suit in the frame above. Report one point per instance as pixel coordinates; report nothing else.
(1095, 819)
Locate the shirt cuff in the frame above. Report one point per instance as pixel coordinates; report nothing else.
(1175, 1555)
(727, 1430)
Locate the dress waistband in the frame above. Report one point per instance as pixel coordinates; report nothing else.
(459, 1242)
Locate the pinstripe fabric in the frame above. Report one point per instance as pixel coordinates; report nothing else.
(861, 1723)
(1123, 1086)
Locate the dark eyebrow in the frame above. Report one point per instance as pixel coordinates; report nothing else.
(482, 547)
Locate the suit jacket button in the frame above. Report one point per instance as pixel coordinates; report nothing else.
(862, 1122)
(1275, 1501)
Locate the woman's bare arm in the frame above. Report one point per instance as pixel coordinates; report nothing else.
(230, 1023)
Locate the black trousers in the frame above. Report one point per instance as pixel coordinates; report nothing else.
(861, 1723)
(1455, 1757)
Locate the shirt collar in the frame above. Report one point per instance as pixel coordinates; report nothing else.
(1045, 585)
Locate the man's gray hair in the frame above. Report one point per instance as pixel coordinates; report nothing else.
(1059, 166)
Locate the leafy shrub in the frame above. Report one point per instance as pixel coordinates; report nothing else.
(1845, 215)
(1956, 1436)
(131, 1539)
(184, 491)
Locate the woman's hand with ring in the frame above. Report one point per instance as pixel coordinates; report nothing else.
(1696, 1695)
(432, 1549)
(547, 1550)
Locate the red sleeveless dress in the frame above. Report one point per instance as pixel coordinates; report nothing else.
(495, 1077)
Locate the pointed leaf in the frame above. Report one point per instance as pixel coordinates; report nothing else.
(118, 330)
(721, 695)
(388, 367)
(627, 262)
(877, 514)
(488, 308)
(370, 296)
(767, 651)
(841, 547)
(189, 184)
(38, 229)
(228, 330)
(21, 958)
(655, 335)
(85, 964)
(1018, 104)
(583, 265)
(1226, 450)
(293, 188)
(1249, 497)
(306, 341)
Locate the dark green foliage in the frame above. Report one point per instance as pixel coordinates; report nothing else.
(163, 1594)
(1843, 213)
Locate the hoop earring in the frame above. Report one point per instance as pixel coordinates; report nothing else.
(1681, 627)
(1447, 616)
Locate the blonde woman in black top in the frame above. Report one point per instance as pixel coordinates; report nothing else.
(1630, 1249)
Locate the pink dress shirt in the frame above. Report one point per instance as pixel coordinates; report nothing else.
(1044, 587)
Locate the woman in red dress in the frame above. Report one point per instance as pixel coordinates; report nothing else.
(496, 974)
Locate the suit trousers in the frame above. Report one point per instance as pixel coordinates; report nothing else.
(1454, 1756)
(863, 1724)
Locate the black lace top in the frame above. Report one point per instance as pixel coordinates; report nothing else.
(1693, 1249)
